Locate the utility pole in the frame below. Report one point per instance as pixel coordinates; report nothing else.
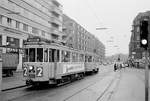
(146, 76)
(144, 32)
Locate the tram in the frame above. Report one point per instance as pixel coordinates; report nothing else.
(54, 63)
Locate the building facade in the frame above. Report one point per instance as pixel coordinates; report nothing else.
(20, 19)
(79, 38)
(135, 51)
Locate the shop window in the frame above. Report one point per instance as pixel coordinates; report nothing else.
(14, 42)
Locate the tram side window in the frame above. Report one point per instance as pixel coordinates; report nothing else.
(46, 55)
(50, 55)
(57, 55)
(90, 59)
(86, 58)
(73, 57)
(76, 59)
(81, 58)
(66, 56)
(32, 55)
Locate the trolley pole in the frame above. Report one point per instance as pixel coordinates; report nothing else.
(146, 76)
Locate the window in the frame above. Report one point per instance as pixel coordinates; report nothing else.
(43, 33)
(53, 55)
(25, 27)
(39, 54)
(14, 42)
(55, 25)
(54, 36)
(138, 29)
(0, 40)
(32, 55)
(73, 57)
(17, 24)
(90, 59)
(55, 14)
(65, 56)
(1, 18)
(46, 55)
(35, 30)
(9, 21)
(26, 56)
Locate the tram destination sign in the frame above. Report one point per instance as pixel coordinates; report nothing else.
(33, 40)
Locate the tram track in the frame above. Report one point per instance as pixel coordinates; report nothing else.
(24, 91)
(87, 87)
(23, 86)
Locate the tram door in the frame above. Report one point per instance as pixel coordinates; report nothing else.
(53, 55)
(54, 58)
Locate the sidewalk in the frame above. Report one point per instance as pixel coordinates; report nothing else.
(15, 81)
(131, 86)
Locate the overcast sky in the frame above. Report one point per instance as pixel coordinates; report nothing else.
(116, 15)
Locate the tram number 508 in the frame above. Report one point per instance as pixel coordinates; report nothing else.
(39, 71)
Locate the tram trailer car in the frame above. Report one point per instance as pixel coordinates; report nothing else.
(9, 64)
(53, 63)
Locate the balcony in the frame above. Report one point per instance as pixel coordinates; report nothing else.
(55, 20)
(56, 31)
(56, 9)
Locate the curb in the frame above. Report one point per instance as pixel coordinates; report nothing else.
(7, 89)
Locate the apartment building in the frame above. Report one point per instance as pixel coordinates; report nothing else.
(79, 38)
(135, 51)
(20, 19)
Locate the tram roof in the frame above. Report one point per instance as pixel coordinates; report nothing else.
(37, 42)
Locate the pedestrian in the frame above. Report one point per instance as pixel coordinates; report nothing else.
(115, 67)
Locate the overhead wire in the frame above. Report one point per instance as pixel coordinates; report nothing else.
(93, 11)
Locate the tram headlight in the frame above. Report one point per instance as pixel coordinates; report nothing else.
(31, 68)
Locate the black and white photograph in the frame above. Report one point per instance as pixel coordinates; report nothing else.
(74, 50)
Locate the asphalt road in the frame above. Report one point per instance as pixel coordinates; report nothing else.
(61, 93)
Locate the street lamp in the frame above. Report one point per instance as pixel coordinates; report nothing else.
(101, 28)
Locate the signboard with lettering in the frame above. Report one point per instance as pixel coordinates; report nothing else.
(33, 39)
(68, 68)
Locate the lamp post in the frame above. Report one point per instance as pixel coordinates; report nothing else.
(101, 28)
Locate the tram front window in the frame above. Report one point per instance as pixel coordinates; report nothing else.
(31, 54)
(39, 54)
(26, 57)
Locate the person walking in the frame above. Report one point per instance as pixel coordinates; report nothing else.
(115, 67)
